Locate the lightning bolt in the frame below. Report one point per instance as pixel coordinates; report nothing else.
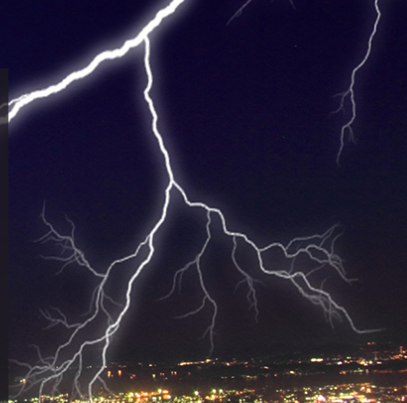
(23, 100)
(349, 94)
(69, 356)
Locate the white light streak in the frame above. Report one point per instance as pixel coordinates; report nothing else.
(350, 93)
(239, 12)
(23, 100)
(318, 249)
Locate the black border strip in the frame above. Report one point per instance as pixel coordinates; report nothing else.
(4, 235)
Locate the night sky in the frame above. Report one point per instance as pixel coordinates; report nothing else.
(245, 111)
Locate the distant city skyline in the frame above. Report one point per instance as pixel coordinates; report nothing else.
(380, 368)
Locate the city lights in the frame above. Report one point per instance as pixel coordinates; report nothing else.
(310, 260)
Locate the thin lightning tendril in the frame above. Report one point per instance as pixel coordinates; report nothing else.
(350, 93)
(49, 372)
(239, 12)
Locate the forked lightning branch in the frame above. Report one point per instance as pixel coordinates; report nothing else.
(70, 356)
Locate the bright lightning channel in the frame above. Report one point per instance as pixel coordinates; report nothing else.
(26, 99)
(350, 93)
(319, 249)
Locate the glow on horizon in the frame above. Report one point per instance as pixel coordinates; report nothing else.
(318, 248)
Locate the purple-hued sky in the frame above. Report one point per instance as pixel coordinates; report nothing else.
(245, 111)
